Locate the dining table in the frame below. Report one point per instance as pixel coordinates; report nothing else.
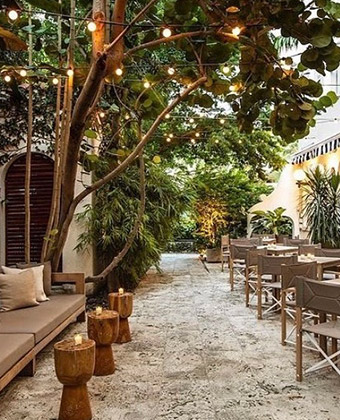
(279, 249)
(322, 263)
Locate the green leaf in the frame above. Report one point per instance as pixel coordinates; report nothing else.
(47, 5)
(90, 134)
(333, 96)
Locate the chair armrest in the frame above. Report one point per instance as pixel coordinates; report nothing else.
(77, 278)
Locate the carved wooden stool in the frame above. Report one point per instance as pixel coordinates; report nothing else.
(74, 364)
(103, 329)
(122, 303)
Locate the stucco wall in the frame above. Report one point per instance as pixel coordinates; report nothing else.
(286, 193)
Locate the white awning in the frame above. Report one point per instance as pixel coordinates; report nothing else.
(318, 149)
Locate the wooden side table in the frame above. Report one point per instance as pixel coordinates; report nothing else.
(103, 329)
(74, 366)
(122, 303)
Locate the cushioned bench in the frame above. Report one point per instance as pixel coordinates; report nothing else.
(25, 332)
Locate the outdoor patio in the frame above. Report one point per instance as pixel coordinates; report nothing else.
(197, 354)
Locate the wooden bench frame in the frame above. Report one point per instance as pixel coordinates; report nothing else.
(26, 366)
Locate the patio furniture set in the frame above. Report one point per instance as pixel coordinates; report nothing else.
(299, 280)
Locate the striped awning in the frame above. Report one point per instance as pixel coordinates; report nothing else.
(318, 149)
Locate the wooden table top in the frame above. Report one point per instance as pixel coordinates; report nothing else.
(279, 248)
(324, 261)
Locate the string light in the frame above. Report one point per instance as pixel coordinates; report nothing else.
(167, 116)
(7, 78)
(102, 114)
(171, 71)
(91, 26)
(226, 69)
(119, 72)
(167, 32)
(55, 80)
(127, 116)
(171, 136)
(13, 15)
(236, 31)
(146, 84)
(193, 141)
(197, 135)
(191, 121)
(168, 140)
(70, 72)
(233, 88)
(23, 73)
(217, 141)
(222, 121)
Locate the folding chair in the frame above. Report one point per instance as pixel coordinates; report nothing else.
(324, 298)
(308, 249)
(225, 251)
(288, 307)
(237, 261)
(270, 265)
(251, 272)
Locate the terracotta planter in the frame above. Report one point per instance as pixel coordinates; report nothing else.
(213, 255)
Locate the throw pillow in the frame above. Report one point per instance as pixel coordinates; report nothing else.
(38, 277)
(47, 274)
(17, 291)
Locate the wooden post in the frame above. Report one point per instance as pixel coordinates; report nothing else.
(259, 296)
(283, 318)
(74, 366)
(122, 303)
(103, 329)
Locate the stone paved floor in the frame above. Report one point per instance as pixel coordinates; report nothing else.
(197, 354)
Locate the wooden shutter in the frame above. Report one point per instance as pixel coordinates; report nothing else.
(41, 195)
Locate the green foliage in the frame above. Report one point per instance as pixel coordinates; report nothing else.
(233, 190)
(272, 221)
(110, 220)
(321, 193)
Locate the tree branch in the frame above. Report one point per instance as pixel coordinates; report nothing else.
(117, 171)
(166, 40)
(118, 258)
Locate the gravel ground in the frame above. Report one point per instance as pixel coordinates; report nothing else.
(197, 354)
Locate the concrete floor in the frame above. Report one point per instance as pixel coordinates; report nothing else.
(197, 354)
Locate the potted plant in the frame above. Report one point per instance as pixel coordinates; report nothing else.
(211, 221)
(272, 221)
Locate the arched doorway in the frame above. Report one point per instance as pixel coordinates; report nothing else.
(41, 195)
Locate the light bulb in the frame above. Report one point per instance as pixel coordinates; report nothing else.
(91, 26)
(168, 139)
(222, 121)
(102, 114)
(70, 72)
(299, 175)
(167, 32)
(233, 88)
(167, 116)
(197, 135)
(191, 121)
(217, 141)
(171, 136)
(193, 141)
(171, 71)
(226, 69)
(13, 14)
(119, 72)
(55, 81)
(7, 78)
(127, 116)
(236, 31)
(23, 73)
(147, 84)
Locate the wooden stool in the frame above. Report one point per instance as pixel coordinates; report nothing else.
(122, 303)
(74, 366)
(103, 329)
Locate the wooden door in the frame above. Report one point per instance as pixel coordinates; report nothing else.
(41, 195)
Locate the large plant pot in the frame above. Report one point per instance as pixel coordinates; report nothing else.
(213, 255)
